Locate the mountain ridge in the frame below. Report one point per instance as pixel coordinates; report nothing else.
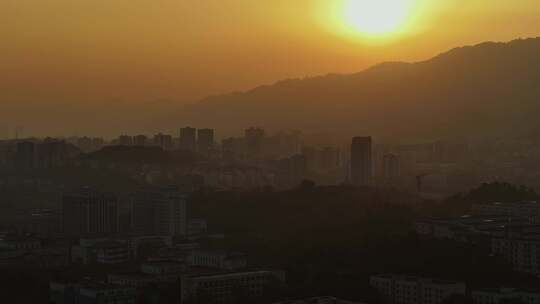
(466, 90)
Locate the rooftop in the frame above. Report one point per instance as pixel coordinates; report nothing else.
(415, 279)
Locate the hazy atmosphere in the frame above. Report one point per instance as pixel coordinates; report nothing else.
(75, 61)
(270, 151)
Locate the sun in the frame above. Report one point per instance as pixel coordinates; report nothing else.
(376, 17)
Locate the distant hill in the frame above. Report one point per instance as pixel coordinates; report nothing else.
(141, 155)
(486, 89)
(125, 154)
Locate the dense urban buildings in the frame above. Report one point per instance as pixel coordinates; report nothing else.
(140, 140)
(505, 295)
(223, 287)
(186, 152)
(89, 211)
(91, 293)
(159, 211)
(520, 248)
(164, 141)
(172, 223)
(218, 259)
(397, 289)
(318, 300)
(125, 140)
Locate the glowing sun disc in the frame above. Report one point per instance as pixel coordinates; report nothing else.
(376, 17)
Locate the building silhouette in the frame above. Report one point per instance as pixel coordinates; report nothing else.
(390, 167)
(159, 211)
(85, 144)
(361, 161)
(26, 155)
(254, 140)
(88, 211)
(205, 140)
(140, 140)
(233, 148)
(125, 140)
(164, 141)
(188, 138)
(394, 289)
(52, 153)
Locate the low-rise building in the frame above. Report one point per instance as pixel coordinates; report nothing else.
(500, 295)
(49, 258)
(521, 249)
(111, 252)
(163, 268)
(218, 259)
(132, 279)
(101, 250)
(90, 293)
(318, 300)
(151, 272)
(400, 289)
(197, 226)
(224, 287)
(20, 243)
(527, 209)
(467, 228)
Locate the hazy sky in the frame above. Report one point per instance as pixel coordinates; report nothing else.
(142, 50)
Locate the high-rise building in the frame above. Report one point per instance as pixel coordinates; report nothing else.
(282, 145)
(233, 148)
(188, 138)
(205, 140)
(254, 141)
(85, 144)
(98, 142)
(390, 167)
(159, 211)
(88, 211)
(26, 155)
(125, 140)
(164, 141)
(322, 159)
(140, 140)
(361, 161)
(52, 153)
(400, 289)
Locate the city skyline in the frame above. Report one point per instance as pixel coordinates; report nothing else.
(270, 152)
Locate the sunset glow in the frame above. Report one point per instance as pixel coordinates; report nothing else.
(377, 17)
(84, 55)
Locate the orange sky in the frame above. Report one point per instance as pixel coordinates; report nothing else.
(142, 50)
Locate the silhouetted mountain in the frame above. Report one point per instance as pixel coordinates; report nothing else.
(487, 89)
(142, 155)
(125, 154)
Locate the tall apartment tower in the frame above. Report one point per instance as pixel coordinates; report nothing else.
(254, 140)
(26, 155)
(164, 141)
(188, 138)
(140, 140)
(361, 161)
(390, 167)
(205, 140)
(125, 140)
(159, 211)
(88, 211)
